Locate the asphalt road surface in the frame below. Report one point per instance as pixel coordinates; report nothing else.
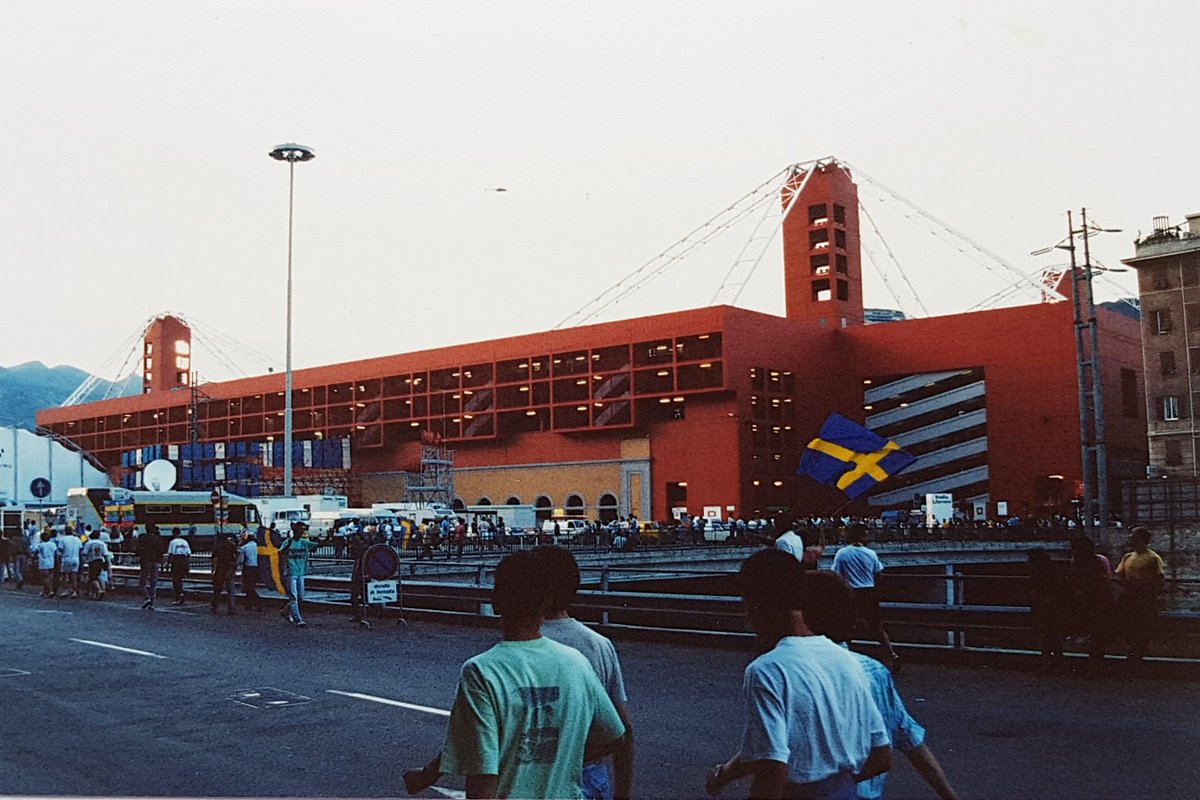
(103, 698)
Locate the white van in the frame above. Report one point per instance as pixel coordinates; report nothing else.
(568, 528)
(333, 523)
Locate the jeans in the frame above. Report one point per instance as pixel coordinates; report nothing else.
(596, 785)
(18, 568)
(295, 592)
(222, 582)
(250, 586)
(148, 582)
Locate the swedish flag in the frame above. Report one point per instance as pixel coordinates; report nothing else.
(850, 457)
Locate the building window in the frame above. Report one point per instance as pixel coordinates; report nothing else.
(1166, 362)
(1174, 453)
(1129, 393)
(839, 238)
(820, 264)
(839, 213)
(843, 291)
(843, 266)
(818, 238)
(1162, 320)
(817, 213)
(1170, 408)
(1159, 278)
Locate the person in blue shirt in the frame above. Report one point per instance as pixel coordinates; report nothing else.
(830, 610)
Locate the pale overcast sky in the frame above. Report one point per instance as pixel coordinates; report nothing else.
(136, 180)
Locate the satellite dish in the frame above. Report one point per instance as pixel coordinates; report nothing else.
(159, 475)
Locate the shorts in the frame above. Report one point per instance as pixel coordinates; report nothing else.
(867, 605)
(595, 782)
(69, 566)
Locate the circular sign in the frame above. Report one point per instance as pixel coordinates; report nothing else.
(380, 562)
(215, 497)
(39, 488)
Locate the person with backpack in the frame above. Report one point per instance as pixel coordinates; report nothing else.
(180, 553)
(224, 565)
(96, 558)
(149, 549)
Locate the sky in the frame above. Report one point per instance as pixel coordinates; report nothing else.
(136, 180)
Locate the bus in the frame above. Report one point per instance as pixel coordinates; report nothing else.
(126, 510)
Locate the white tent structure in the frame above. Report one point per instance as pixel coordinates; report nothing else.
(36, 471)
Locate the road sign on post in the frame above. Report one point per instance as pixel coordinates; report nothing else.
(383, 592)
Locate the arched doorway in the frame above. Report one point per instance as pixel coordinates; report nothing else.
(543, 507)
(607, 507)
(574, 507)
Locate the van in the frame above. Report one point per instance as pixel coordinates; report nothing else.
(568, 528)
(333, 523)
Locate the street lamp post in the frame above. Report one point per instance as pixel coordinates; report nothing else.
(290, 153)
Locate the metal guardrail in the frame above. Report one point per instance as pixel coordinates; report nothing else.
(953, 625)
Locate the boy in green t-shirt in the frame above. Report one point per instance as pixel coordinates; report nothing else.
(529, 711)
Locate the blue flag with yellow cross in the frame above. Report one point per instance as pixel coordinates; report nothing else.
(850, 457)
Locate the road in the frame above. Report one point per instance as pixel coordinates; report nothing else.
(196, 705)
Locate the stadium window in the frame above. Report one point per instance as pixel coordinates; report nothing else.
(817, 213)
(820, 263)
(843, 266)
(1166, 362)
(843, 291)
(839, 213)
(818, 238)
(1162, 320)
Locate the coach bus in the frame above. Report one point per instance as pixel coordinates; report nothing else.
(184, 510)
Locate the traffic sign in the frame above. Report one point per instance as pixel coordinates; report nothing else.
(382, 592)
(380, 562)
(39, 488)
(215, 497)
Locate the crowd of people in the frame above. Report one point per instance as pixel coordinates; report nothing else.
(1086, 600)
(544, 713)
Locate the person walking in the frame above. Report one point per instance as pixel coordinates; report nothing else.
(829, 610)
(529, 711)
(46, 552)
(95, 557)
(70, 546)
(149, 549)
(179, 552)
(1140, 574)
(357, 549)
(858, 565)
(247, 559)
(812, 729)
(224, 566)
(296, 551)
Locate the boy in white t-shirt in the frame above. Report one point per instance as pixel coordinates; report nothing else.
(811, 729)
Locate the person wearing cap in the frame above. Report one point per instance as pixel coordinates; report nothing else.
(296, 550)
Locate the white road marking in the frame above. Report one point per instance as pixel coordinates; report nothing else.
(454, 793)
(117, 647)
(12, 672)
(441, 712)
(51, 611)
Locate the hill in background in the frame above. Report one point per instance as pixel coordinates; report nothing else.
(26, 388)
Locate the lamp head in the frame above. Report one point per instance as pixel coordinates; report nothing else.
(293, 152)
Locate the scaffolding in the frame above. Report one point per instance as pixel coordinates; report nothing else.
(435, 482)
